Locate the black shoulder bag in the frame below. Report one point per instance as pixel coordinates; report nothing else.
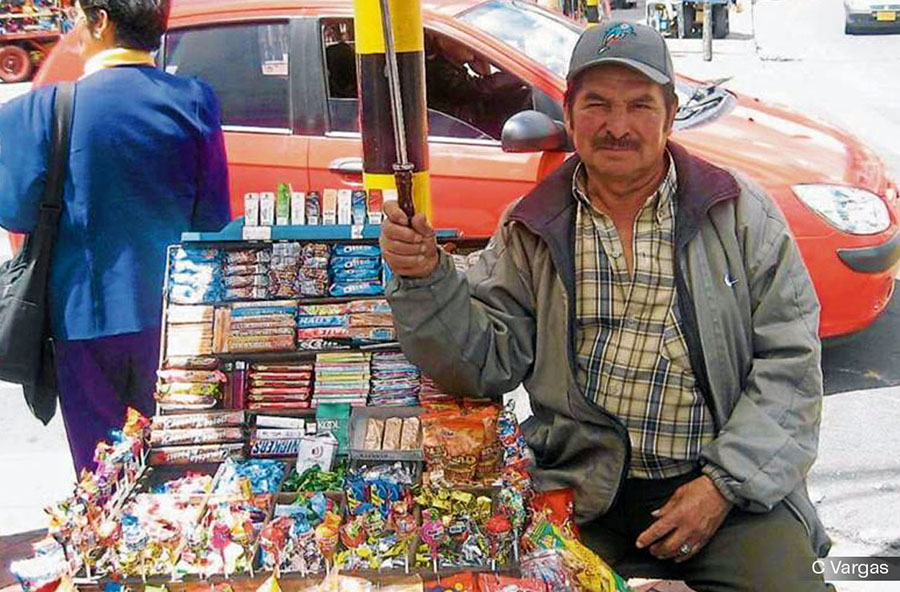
(26, 349)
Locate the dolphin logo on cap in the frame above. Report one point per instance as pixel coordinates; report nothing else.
(614, 35)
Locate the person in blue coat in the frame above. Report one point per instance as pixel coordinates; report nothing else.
(147, 163)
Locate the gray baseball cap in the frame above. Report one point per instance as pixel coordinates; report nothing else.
(634, 45)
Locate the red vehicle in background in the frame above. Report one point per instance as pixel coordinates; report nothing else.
(28, 31)
(284, 71)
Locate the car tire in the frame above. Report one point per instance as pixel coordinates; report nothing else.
(15, 64)
(720, 21)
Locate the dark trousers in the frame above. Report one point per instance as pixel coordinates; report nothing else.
(592, 13)
(750, 552)
(98, 380)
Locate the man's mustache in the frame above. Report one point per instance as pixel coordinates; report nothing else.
(609, 142)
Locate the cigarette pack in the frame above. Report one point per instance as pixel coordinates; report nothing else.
(313, 208)
(298, 208)
(283, 205)
(267, 209)
(251, 209)
(374, 203)
(329, 207)
(344, 207)
(359, 207)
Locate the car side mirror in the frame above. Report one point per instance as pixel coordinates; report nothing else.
(533, 131)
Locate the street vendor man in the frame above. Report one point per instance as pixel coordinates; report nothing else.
(658, 312)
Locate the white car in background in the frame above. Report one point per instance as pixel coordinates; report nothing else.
(871, 16)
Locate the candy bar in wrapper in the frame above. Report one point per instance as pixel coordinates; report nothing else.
(197, 420)
(190, 363)
(409, 435)
(374, 306)
(357, 275)
(245, 281)
(283, 423)
(195, 254)
(375, 319)
(247, 257)
(287, 367)
(251, 344)
(195, 376)
(251, 293)
(181, 314)
(356, 263)
(374, 433)
(353, 250)
(233, 269)
(357, 289)
(272, 448)
(322, 332)
(284, 373)
(315, 310)
(279, 306)
(213, 453)
(260, 332)
(195, 436)
(371, 333)
(282, 406)
(271, 434)
(321, 344)
(393, 429)
(323, 321)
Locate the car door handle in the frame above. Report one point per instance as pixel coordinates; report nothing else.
(348, 167)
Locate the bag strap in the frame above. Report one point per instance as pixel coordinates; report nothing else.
(40, 241)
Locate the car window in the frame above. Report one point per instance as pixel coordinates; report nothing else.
(542, 36)
(247, 65)
(467, 97)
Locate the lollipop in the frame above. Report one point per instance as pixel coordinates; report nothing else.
(499, 529)
(273, 540)
(353, 532)
(433, 535)
(405, 527)
(327, 536)
(221, 538)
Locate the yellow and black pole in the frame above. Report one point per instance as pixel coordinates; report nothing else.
(393, 119)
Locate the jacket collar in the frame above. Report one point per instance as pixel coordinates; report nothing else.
(117, 56)
(700, 186)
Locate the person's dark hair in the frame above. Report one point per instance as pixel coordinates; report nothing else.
(139, 24)
(576, 83)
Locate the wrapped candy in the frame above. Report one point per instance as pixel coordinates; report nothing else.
(433, 536)
(499, 530)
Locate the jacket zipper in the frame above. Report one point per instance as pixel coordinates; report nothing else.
(616, 422)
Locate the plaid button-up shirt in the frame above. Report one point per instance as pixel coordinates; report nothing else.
(632, 357)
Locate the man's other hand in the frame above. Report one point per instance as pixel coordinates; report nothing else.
(686, 522)
(409, 249)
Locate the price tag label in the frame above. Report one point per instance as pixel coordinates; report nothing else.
(356, 231)
(257, 233)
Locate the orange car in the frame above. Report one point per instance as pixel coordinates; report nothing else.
(284, 71)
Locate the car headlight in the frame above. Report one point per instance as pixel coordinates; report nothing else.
(850, 209)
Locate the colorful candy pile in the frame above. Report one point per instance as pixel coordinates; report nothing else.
(312, 275)
(303, 535)
(453, 529)
(380, 524)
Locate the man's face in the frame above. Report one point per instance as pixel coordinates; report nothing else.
(619, 123)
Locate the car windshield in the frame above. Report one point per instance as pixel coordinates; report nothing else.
(544, 38)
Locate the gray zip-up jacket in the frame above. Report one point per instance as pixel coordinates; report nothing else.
(750, 321)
